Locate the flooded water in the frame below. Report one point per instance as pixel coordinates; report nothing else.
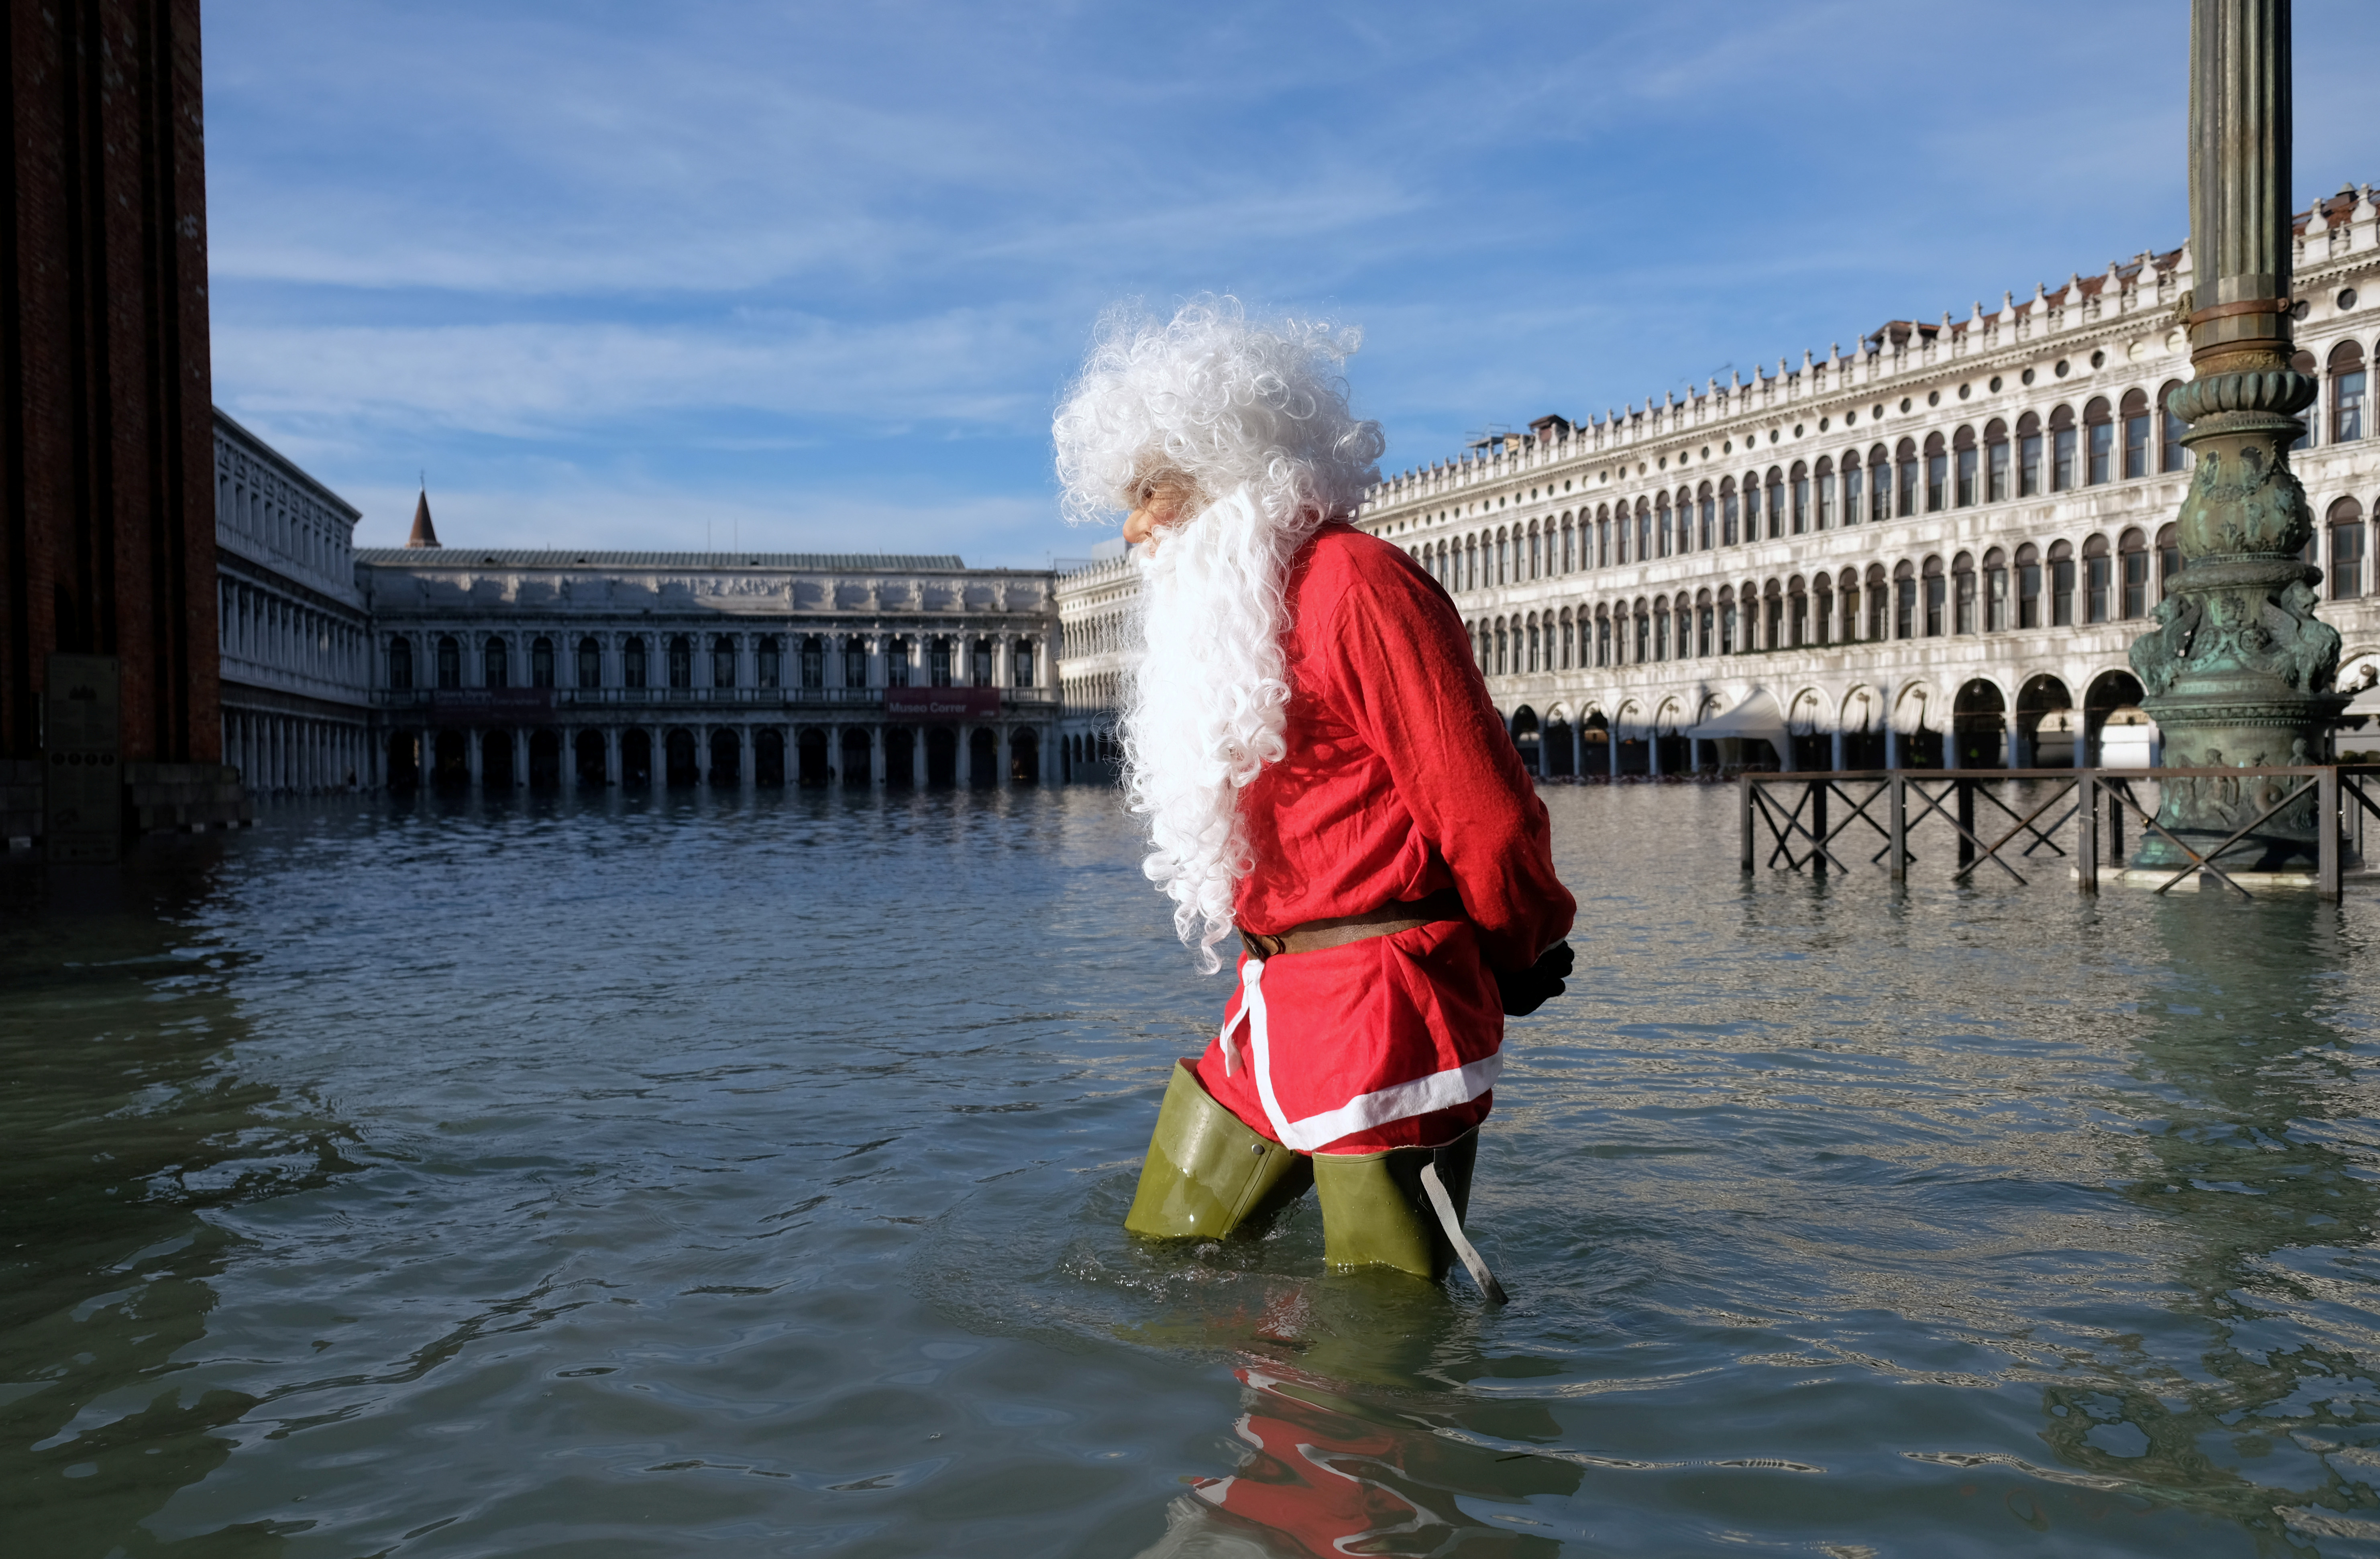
(743, 1176)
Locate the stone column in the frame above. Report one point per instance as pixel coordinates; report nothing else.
(876, 755)
(610, 755)
(917, 754)
(1837, 745)
(1891, 745)
(2238, 670)
(964, 757)
(521, 757)
(2015, 740)
(1001, 761)
(471, 740)
(702, 755)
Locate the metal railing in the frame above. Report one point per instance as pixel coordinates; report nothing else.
(1809, 834)
(1036, 698)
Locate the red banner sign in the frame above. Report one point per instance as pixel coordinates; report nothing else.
(942, 703)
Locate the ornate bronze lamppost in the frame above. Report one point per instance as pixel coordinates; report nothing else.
(2239, 669)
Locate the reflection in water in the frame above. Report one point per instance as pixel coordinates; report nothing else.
(124, 1126)
(2275, 1428)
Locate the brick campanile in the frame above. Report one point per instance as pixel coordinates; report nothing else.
(106, 442)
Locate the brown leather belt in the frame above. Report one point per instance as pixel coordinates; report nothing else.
(1338, 931)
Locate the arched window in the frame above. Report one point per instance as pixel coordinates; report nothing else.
(496, 661)
(722, 662)
(1602, 536)
(2061, 584)
(1904, 457)
(1565, 638)
(541, 662)
(1644, 531)
(1684, 611)
(2028, 586)
(1774, 635)
(1823, 477)
(400, 663)
(768, 661)
(1661, 627)
(1627, 536)
(1644, 629)
(855, 662)
(812, 670)
(1534, 662)
(1938, 474)
(1822, 608)
(2136, 433)
(1879, 599)
(1503, 557)
(1602, 636)
(1707, 504)
(1797, 612)
(2098, 580)
(681, 662)
(2168, 546)
(2303, 363)
(1995, 591)
(1963, 451)
(1570, 539)
(1705, 623)
(1853, 500)
(1935, 598)
(1801, 478)
(632, 664)
(1904, 600)
(2029, 472)
(2346, 383)
(2171, 455)
(1849, 598)
(590, 663)
(1022, 671)
(1663, 525)
(896, 664)
(2100, 422)
(2062, 472)
(1963, 594)
(1879, 484)
(1776, 503)
(1729, 517)
(1727, 619)
(1503, 649)
(2133, 551)
(1995, 461)
(2347, 549)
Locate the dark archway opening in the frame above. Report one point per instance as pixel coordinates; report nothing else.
(856, 761)
(900, 755)
(1024, 758)
(403, 760)
(1560, 758)
(942, 755)
(677, 757)
(2043, 724)
(727, 757)
(810, 763)
(1636, 755)
(1979, 726)
(496, 760)
(589, 753)
(1921, 749)
(983, 759)
(769, 757)
(545, 760)
(637, 759)
(1677, 753)
(1527, 737)
(2112, 690)
(1594, 745)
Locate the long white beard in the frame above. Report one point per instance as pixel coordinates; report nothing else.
(1205, 707)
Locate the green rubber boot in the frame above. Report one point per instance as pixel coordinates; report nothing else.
(1375, 1212)
(1206, 1171)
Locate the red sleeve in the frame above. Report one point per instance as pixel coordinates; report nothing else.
(1410, 688)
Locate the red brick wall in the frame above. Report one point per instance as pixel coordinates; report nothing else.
(106, 453)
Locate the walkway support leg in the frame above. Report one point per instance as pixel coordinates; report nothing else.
(1897, 815)
(1744, 815)
(2086, 835)
(1818, 789)
(2327, 875)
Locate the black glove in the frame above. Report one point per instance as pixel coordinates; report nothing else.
(1524, 991)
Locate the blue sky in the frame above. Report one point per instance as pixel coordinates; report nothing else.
(811, 278)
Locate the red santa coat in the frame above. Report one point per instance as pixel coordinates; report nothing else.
(1400, 782)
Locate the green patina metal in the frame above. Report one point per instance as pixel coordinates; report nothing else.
(2239, 669)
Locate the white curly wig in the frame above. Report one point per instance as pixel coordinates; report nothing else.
(1254, 418)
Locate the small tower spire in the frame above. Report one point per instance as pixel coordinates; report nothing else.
(424, 533)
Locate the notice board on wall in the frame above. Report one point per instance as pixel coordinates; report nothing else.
(82, 777)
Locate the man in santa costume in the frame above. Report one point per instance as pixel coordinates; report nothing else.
(1322, 772)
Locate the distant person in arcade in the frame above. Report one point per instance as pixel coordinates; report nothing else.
(1321, 773)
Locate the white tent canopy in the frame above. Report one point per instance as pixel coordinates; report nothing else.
(1756, 718)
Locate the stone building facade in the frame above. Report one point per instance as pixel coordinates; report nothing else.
(1936, 550)
(294, 646)
(500, 669)
(1094, 604)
